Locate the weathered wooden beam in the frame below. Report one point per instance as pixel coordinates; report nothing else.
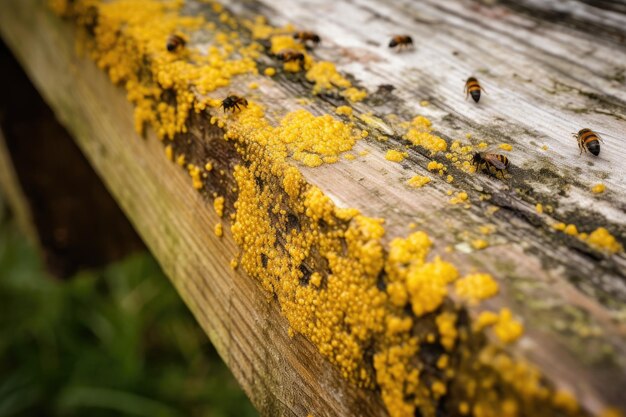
(569, 294)
(281, 375)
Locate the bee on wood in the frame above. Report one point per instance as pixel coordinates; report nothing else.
(233, 102)
(305, 37)
(290, 55)
(588, 140)
(175, 43)
(488, 160)
(473, 88)
(401, 41)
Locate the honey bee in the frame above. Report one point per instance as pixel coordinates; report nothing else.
(588, 140)
(473, 88)
(290, 55)
(401, 41)
(175, 43)
(488, 160)
(233, 102)
(305, 37)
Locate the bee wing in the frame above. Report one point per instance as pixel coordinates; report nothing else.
(492, 158)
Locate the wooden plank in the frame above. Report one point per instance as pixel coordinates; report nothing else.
(538, 95)
(281, 375)
(13, 193)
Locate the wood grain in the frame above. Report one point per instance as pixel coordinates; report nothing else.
(282, 375)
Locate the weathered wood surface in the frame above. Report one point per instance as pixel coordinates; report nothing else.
(282, 375)
(545, 79)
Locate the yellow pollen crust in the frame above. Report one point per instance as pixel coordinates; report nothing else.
(218, 205)
(395, 156)
(419, 134)
(603, 240)
(418, 181)
(476, 287)
(598, 188)
(479, 244)
(377, 311)
(344, 110)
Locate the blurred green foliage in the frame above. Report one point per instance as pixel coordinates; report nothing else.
(111, 342)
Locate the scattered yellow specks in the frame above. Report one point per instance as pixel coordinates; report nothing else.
(447, 330)
(195, 174)
(468, 135)
(443, 361)
(598, 188)
(507, 328)
(269, 71)
(349, 156)
(218, 205)
(180, 159)
(418, 181)
(218, 230)
(539, 208)
(354, 94)
(571, 230)
(479, 244)
(326, 77)
(486, 319)
(233, 263)
(505, 147)
(436, 166)
(169, 152)
(449, 179)
(281, 43)
(459, 198)
(208, 166)
(464, 408)
(419, 134)
(559, 226)
(487, 229)
(395, 156)
(424, 103)
(439, 389)
(566, 401)
(344, 110)
(544, 147)
(476, 287)
(364, 152)
(253, 85)
(603, 240)
(491, 210)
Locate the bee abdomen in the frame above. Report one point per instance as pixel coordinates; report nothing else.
(475, 95)
(594, 146)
